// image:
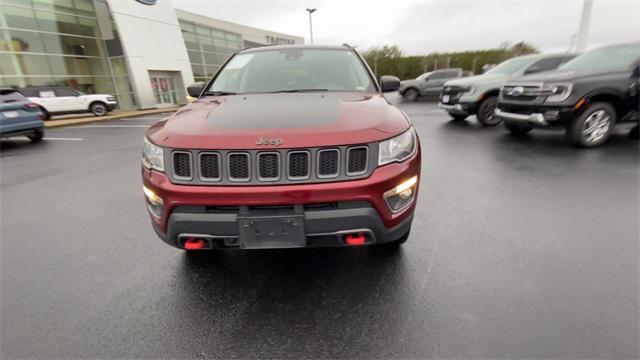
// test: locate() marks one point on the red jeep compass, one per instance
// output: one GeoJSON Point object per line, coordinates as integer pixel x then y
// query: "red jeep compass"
{"type": "Point", "coordinates": [286, 146]}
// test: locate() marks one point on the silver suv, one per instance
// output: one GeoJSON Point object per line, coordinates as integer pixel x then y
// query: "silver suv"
{"type": "Point", "coordinates": [428, 84]}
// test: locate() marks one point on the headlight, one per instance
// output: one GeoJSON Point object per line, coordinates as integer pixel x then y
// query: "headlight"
{"type": "Point", "coordinates": [152, 156]}
{"type": "Point", "coordinates": [398, 148]}
{"type": "Point", "coordinates": [557, 92]}
{"type": "Point", "coordinates": [470, 89]}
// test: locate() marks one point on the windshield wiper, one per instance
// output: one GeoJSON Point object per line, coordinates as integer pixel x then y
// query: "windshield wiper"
{"type": "Point", "coordinates": [219, 93]}
{"type": "Point", "coordinates": [297, 91]}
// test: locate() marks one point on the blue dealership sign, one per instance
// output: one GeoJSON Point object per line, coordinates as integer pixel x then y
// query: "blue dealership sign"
{"type": "Point", "coordinates": [147, 2]}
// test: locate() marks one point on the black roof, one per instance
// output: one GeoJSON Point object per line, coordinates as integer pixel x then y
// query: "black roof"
{"type": "Point", "coordinates": [295, 47]}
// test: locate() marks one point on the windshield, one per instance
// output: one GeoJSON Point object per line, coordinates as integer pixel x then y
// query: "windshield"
{"type": "Point", "coordinates": [607, 58]}
{"type": "Point", "coordinates": [423, 76]}
{"type": "Point", "coordinates": [293, 70]}
{"type": "Point", "coordinates": [510, 66]}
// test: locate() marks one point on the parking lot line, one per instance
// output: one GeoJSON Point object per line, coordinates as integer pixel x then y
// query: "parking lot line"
{"type": "Point", "coordinates": [61, 139]}
{"type": "Point", "coordinates": [108, 126]}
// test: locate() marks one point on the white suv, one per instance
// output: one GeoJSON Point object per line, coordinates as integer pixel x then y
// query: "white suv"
{"type": "Point", "coordinates": [58, 100]}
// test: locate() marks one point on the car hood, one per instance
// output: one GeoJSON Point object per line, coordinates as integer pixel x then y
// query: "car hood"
{"type": "Point", "coordinates": [558, 76]}
{"type": "Point", "coordinates": [474, 80]}
{"type": "Point", "coordinates": [299, 120]}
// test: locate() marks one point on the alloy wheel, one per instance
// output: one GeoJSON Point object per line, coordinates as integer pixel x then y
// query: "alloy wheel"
{"type": "Point", "coordinates": [596, 126]}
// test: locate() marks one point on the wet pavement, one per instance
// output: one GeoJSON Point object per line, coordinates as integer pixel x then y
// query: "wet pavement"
{"type": "Point", "coordinates": [520, 248]}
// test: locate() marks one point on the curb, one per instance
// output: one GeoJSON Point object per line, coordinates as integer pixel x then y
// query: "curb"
{"type": "Point", "coordinates": [93, 119]}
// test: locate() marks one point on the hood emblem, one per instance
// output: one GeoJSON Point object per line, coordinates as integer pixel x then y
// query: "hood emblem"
{"type": "Point", "coordinates": [516, 91]}
{"type": "Point", "coordinates": [265, 141]}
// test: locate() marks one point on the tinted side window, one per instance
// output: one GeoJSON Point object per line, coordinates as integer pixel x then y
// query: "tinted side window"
{"type": "Point", "coordinates": [65, 92]}
{"type": "Point", "coordinates": [7, 96]}
{"type": "Point", "coordinates": [444, 75]}
{"type": "Point", "coordinates": [29, 92]}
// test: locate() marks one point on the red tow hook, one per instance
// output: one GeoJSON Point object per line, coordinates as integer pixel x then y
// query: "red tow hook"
{"type": "Point", "coordinates": [194, 244]}
{"type": "Point", "coordinates": [355, 239]}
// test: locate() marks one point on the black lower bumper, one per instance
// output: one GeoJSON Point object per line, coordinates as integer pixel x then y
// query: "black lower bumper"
{"type": "Point", "coordinates": [324, 226]}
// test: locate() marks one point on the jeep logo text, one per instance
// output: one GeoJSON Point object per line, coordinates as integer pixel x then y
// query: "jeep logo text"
{"type": "Point", "coordinates": [264, 141]}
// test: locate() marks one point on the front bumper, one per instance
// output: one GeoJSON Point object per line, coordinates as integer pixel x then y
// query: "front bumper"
{"type": "Point", "coordinates": [533, 119]}
{"type": "Point", "coordinates": [330, 210]}
{"type": "Point", "coordinates": [112, 105]}
{"type": "Point", "coordinates": [537, 116]}
{"type": "Point", "coordinates": [459, 108]}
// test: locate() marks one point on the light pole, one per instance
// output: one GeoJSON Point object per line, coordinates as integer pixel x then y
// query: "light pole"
{"type": "Point", "coordinates": [311, 11]}
{"type": "Point", "coordinates": [584, 26]}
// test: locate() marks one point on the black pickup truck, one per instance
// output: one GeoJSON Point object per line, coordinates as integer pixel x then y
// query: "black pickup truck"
{"type": "Point", "coordinates": [587, 96]}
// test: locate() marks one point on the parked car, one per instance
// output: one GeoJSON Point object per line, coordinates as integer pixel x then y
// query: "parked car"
{"type": "Point", "coordinates": [428, 84]}
{"type": "Point", "coordinates": [286, 147]}
{"type": "Point", "coordinates": [478, 95]}
{"type": "Point", "coordinates": [19, 116]}
{"type": "Point", "coordinates": [587, 96]}
{"type": "Point", "coordinates": [59, 100]}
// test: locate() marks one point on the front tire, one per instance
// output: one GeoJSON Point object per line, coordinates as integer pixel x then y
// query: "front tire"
{"type": "Point", "coordinates": [457, 117]}
{"type": "Point", "coordinates": [517, 129]}
{"type": "Point", "coordinates": [634, 133]}
{"type": "Point", "coordinates": [36, 136]}
{"type": "Point", "coordinates": [98, 108]}
{"type": "Point", "coordinates": [593, 127]}
{"type": "Point", "coordinates": [486, 110]}
{"type": "Point", "coordinates": [410, 95]}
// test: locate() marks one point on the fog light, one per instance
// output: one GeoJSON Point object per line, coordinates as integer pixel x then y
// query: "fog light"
{"type": "Point", "coordinates": [402, 195]}
{"type": "Point", "coordinates": [154, 202]}
{"type": "Point", "coordinates": [552, 115]}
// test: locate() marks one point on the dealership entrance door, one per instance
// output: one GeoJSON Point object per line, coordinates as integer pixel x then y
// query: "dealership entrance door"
{"type": "Point", "coordinates": [163, 85]}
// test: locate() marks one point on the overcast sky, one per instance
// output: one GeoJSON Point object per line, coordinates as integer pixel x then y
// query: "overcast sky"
{"type": "Point", "coordinates": [421, 27]}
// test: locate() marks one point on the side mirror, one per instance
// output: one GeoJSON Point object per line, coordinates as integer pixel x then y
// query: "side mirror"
{"type": "Point", "coordinates": [389, 83]}
{"type": "Point", "coordinates": [195, 89]}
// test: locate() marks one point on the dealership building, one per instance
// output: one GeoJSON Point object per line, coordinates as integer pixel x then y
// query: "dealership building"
{"type": "Point", "coordinates": [144, 52]}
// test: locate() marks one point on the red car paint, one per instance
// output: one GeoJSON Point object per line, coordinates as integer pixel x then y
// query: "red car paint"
{"type": "Point", "coordinates": [359, 118]}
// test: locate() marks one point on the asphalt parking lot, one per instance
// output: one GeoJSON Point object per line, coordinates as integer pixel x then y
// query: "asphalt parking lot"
{"type": "Point", "coordinates": [521, 248]}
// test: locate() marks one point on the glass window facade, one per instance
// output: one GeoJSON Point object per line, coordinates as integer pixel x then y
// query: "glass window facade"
{"type": "Point", "coordinates": [208, 48]}
{"type": "Point", "coordinates": [58, 42]}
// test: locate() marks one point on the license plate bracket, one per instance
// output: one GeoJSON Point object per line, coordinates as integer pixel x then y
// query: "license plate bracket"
{"type": "Point", "coordinates": [262, 232]}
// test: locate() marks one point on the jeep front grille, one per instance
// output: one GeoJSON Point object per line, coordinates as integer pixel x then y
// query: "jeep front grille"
{"type": "Point", "coordinates": [299, 165]}
{"type": "Point", "coordinates": [182, 164]}
{"type": "Point", "coordinates": [357, 160]}
{"type": "Point", "coordinates": [210, 166]}
{"type": "Point", "coordinates": [274, 166]}
{"type": "Point", "coordinates": [239, 167]}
